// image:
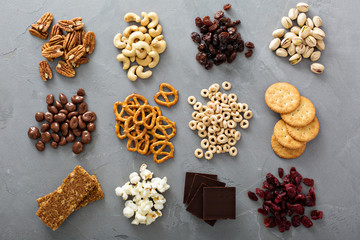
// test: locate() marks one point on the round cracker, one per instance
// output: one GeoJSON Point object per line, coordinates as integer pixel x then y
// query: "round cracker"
{"type": "Point", "coordinates": [302, 115]}
{"type": "Point", "coordinates": [305, 134]}
{"type": "Point", "coordinates": [284, 138]}
{"type": "Point", "coordinates": [282, 97]}
{"type": "Point", "coordinates": [284, 152]}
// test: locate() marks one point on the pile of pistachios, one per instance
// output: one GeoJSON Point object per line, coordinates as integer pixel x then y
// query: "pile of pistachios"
{"type": "Point", "coordinates": [306, 40]}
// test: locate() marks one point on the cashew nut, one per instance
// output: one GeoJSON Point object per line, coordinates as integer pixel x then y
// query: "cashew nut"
{"type": "Point", "coordinates": [148, 38]}
{"type": "Point", "coordinates": [141, 74]}
{"type": "Point", "coordinates": [142, 29]}
{"type": "Point", "coordinates": [132, 17]}
{"type": "Point", "coordinates": [142, 45]}
{"type": "Point", "coordinates": [154, 20]}
{"type": "Point", "coordinates": [117, 41]}
{"type": "Point", "coordinates": [128, 47]}
{"type": "Point", "coordinates": [158, 46]}
{"type": "Point", "coordinates": [157, 32]}
{"type": "Point", "coordinates": [132, 59]}
{"type": "Point", "coordinates": [129, 53]}
{"type": "Point", "coordinates": [145, 20]}
{"type": "Point", "coordinates": [144, 62]}
{"type": "Point", "coordinates": [141, 54]}
{"type": "Point", "coordinates": [136, 35]}
{"type": "Point", "coordinates": [125, 40]}
{"type": "Point", "coordinates": [131, 73]}
{"type": "Point", "coordinates": [155, 59]}
{"type": "Point", "coordinates": [124, 60]}
{"type": "Point", "coordinates": [129, 30]}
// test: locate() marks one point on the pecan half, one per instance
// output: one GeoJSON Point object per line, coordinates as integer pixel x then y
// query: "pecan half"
{"type": "Point", "coordinates": [56, 31]}
{"type": "Point", "coordinates": [36, 33]}
{"type": "Point", "coordinates": [89, 42]}
{"type": "Point", "coordinates": [75, 54]}
{"type": "Point", "coordinates": [64, 69]}
{"type": "Point", "coordinates": [81, 33]}
{"type": "Point", "coordinates": [78, 24]}
{"type": "Point", "coordinates": [56, 40]}
{"type": "Point", "coordinates": [53, 51]}
{"type": "Point", "coordinates": [67, 25]}
{"type": "Point", "coordinates": [44, 46]}
{"type": "Point", "coordinates": [44, 22]}
{"type": "Point", "coordinates": [45, 71]}
{"type": "Point", "coordinates": [71, 39]}
{"type": "Point", "coordinates": [80, 61]}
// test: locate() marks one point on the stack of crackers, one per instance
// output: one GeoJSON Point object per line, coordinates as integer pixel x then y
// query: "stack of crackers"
{"type": "Point", "coordinates": [299, 123]}
{"type": "Point", "coordinates": [77, 190]}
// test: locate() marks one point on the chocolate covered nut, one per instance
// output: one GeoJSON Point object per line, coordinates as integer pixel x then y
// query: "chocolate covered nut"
{"type": "Point", "coordinates": [82, 108]}
{"type": "Point", "coordinates": [55, 137]}
{"type": "Point", "coordinates": [80, 92]}
{"type": "Point", "coordinates": [64, 111]}
{"type": "Point", "coordinates": [62, 98]}
{"type": "Point", "coordinates": [54, 145]}
{"type": "Point", "coordinates": [70, 107]}
{"type": "Point", "coordinates": [40, 146]}
{"type": "Point", "coordinates": [72, 114]}
{"type": "Point", "coordinates": [60, 117]}
{"type": "Point", "coordinates": [74, 122]}
{"type": "Point", "coordinates": [50, 99]}
{"type": "Point", "coordinates": [77, 132]}
{"type": "Point", "coordinates": [91, 127]}
{"type": "Point", "coordinates": [70, 137]}
{"type": "Point", "coordinates": [58, 105]}
{"type": "Point", "coordinates": [34, 133]}
{"type": "Point", "coordinates": [89, 116]}
{"type": "Point", "coordinates": [44, 127]}
{"type": "Point", "coordinates": [65, 129]}
{"type": "Point", "coordinates": [62, 141]}
{"type": "Point", "coordinates": [85, 137]}
{"type": "Point", "coordinates": [45, 137]}
{"type": "Point", "coordinates": [52, 109]}
{"type": "Point", "coordinates": [55, 126]}
{"type": "Point", "coordinates": [39, 116]}
{"type": "Point", "coordinates": [77, 147]}
{"type": "Point", "coordinates": [77, 99]}
{"type": "Point", "coordinates": [49, 117]}
{"type": "Point", "coordinates": [82, 124]}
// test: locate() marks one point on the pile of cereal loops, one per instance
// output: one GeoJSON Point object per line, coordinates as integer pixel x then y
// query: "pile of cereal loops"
{"type": "Point", "coordinates": [216, 121]}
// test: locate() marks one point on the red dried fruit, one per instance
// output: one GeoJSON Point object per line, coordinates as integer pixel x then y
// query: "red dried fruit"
{"type": "Point", "coordinates": [248, 53]}
{"type": "Point", "coordinates": [269, 222]}
{"type": "Point", "coordinates": [198, 22]}
{"type": "Point", "coordinates": [195, 37]}
{"type": "Point", "coordinates": [237, 22]}
{"type": "Point", "coordinates": [213, 27]}
{"type": "Point", "coordinates": [227, 6]}
{"type": "Point", "coordinates": [232, 57]}
{"type": "Point", "coordinates": [315, 214]}
{"type": "Point", "coordinates": [306, 222]}
{"type": "Point", "coordinates": [278, 199]}
{"type": "Point", "coordinates": [273, 206]}
{"type": "Point", "coordinates": [260, 192]}
{"type": "Point", "coordinates": [252, 196]}
{"type": "Point", "coordinates": [218, 14]}
{"type": "Point", "coordinates": [249, 45]}
{"type": "Point", "coordinates": [291, 190]}
{"type": "Point", "coordinates": [281, 172]}
{"type": "Point", "coordinates": [295, 220]}
{"type": "Point", "coordinates": [308, 182]}
{"type": "Point", "coordinates": [296, 208]}
{"type": "Point", "coordinates": [262, 211]}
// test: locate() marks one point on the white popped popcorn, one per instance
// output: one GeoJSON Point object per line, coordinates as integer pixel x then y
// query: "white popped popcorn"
{"type": "Point", "coordinates": [147, 201]}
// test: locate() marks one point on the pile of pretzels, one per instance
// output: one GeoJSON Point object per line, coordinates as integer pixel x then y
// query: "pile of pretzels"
{"type": "Point", "coordinates": [142, 44]}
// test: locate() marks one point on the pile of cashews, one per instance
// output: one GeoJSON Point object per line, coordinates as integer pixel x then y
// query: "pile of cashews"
{"type": "Point", "coordinates": [139, 45]}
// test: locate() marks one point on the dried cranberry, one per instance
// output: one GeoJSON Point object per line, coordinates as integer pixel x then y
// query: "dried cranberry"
{"type": "Point", "coordinates": [252, 196]}
{"type": "Point", "coordinates": [281, 172]}
{"type": "Point", "coordinates": [195, 37]}
{"type": "Point", "coordinates": [198, 22]}
{"type": "Point", "coordinates": [295, 220]}
{"type": "Point", "coordinates": [231, 30]}
{"type": "Point", "coordinates": [315, 214]}
{"type": "Point", "coordinates": [299, 198]}
{"type": "Point", "coordinates": [218, 14]}
{"type": "Point", "coordinates": [249, 45]}
{"type": "Point", "coordinates": [269, 195]}
{"type": "Point", "coordinates": [273, 206]}
{"type": "Point", "coordinates": [268, 185]}
{"type": "Point", "coordinates": [262, 211]}
{"type": "Point", "coordinates": [259, 192]}
{"type": "Point", "coordinates": [296, 208]}
{"type": "Point", "coordinates": [308, 182]}
{"type": "Point", "coordinates": [282, 227]}
{"type": "Point", "coordinates": [248, 53]}
{"type": "Point", "coordinates": [278, 199]}
{"type": "Point", "coordinates": [291, 190]}
{"type": "Point", "coordinates": [269, 222]}
{"type": "Point", "coordinates": [306, 221]}
{"type": "Point", "coordinates": [227, 6]}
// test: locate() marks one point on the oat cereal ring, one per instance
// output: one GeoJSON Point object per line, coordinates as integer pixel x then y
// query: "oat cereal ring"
{"type": "Point", "coordinates": [197, 106]}
{"type": "Point", "coordinates": [244, 124]}
{"type": "Point", "coordinates": [228, 132]}
{"type": "Point", "coordinates": [233, 151]}
{"type": "Point", "coordinates": [232, 98]}
{"type": "Point", "coordinates": [201, 126]}
{"type": "Point", "coordinates": [218, 96]}
{"type": "Point", "coordinates": [237, 135]}
{"type": "Point", "coordinates": [248, 114]}
{"type": "Point", "coordinates": [234, 106]}
{"type": "Point", "coordinates": [198, 153]}
{"type": "Point", "coordinates": [232, 141]}
{"type": "Point", "coordinates": [202, 134]}
{"type": "Point", "coordinates": [161, 152]}
{"type": "Point", "coordinates": [211, 134]}
{"type": "Point", "coordinates": [222, 139]}
{"type": "Point", "coordinates": [226, 148]}
{"type": "Point", "coordinates": [226, 85]}
{"type": "Point", "coordinates": [238, 118]}
{"type": "Point", "coordinates": [204, 93]}
{"type": "Point", "coordinates": [232, 132]}
{"type": "Point", "coordinates": [231, 124]}
{"type": "Point", "coordinates": [200, 117]}
{"type": "Point", "coordinates": [211, 129]}
{"type": "Point", "coordinates": [193, 124]}
{"type": "Point", "coordinates": [118, 127]}
{"type": "Point", "coordinates": [224, 98]}
{"type": "Point", "coordinates": [208, 155]}
{"type": "Point", "coordinates": [212, 140]}
{"type": "Point", "coordinates": [213, 119]}
{"type": "Point", "coordinates": [224, 124]}
{"type": "Point", "coordinates": [206, 121]}
{"type": "Point", "coordinates": [226, 115]}
{"type": "Point", "coordinates": [245, 107]}
{"type": "Point", "coordinates": [194, 115]}
{"type": "Point", "coordinates": [219, 118]}
{"type": "Point", "coordinates": [205, 143]}
{"type": "Point", "coordinates": [191, 100]}
{"type": "Point", "coordinates": [216, 128]}
{"type": "Point", "coordinates": [213, 98]}
{"type": "Point", "coordinates": [165, 95]}
{"type": "Point", "coordinates": [209, 112]}
{"type": "Point", "coordinates": [218, 149]}
{"type": "Point", "coordinates": [212, 148]}
{"type": "Point", "coordinates": [202, 109]}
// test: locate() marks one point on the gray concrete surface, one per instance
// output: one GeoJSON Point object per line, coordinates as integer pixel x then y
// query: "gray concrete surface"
{"type": "Point", "coordinates": [332, 159]}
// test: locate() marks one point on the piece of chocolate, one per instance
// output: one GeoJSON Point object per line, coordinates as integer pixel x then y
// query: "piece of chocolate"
{"type": "Point", "coordinates": [198, 180]}
{"type": "Point", "coordinates": [219, 203]}
{"type": "Point", "coordinates": [188, 181]}
{"type": "Point", "coordinates": [196, 205]}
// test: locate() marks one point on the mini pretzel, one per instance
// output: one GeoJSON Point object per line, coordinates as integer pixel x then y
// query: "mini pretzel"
{"type": "Point", "coordinates": [119, 125]}
{"type": "Point", "coordinates": [148, 116]}
{"type": "Point", "coordinates": [161, 152]}
{"type": "Point", "coordinates": [135, 99]}
{"type": "Point", "coordinates": [165, 95]}
{"type": "Point", "coordinates": [162, 128]}
{"type": "Point", "coordinates": [143, 145]}
{"type": "Point", "coordinates": [152, 140]}
{"type": "Point", "coordinates": [133, 130]}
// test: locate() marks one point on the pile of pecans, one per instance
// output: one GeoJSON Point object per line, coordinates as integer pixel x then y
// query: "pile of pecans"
{"type": "Point", "coordinates": [73, 48]}
{"type": "Point", "coordinates": [219, 41]}
{"type": "Point", "coordinates": [66, 120]}
{"type": "Point", "coordinates": [302, 40]}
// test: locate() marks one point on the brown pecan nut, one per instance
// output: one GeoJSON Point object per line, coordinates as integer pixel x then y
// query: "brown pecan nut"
{"type": "Point", "coordinates": [44, 22]}
{"type": "Point", "coordinates": [81, 33]}
{"type": "Point", "coordinates": [56, 31]}
{"type": "Point", "coordinates": [44, 46]}
{"type": "Point", "coordinates": [56, 40]}
{"type": "Point", "coordinates": [71, 39]}
{"type": "Point", "coordinates": [67, 25]}
{"type": "Point", "coordinates": [36, 33]}
{"type": "Point", "coordinates": [45, 71]}
{"type": "Point", "coordinates": [78, 23]}
{"type": "Point", "coordinates": [75, 54]}
{"type": "Point", "coordinates": [53, 51]}
{"type": "Point", "coordinates": [89, 42]}
{"type": "Point", "coordinates": [80, 61]}
{"type": "Point", "coordinates": [64, 69]}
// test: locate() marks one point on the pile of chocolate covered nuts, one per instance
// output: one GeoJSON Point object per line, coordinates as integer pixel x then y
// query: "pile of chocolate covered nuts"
{"type": "Point", "coordinates": [65, 121]}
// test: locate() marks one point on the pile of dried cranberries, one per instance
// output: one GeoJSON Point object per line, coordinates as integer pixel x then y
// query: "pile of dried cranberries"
{"type": "Point", "coordinates": [219, 41]}
{"type": "Point", "coordinates": [286, 199]}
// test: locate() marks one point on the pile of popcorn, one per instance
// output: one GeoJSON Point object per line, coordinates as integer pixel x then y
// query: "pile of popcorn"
{"type": "Point", "coordinates": [147, 201]}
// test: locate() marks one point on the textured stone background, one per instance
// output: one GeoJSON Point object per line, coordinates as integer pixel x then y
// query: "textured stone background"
{"type": "Point", "coordinates": [332, 159]}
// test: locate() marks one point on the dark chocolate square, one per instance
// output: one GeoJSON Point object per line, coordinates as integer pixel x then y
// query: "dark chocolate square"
{"type": "Point", "coordinates": [219, 203]}
{"type": "Point", "coordinates": [188, 182]}
{"type": "Point", "coordinates": [198, 180]}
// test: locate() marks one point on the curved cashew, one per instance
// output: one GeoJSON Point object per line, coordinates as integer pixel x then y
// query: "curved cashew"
{"type": "Point", "coordinates": [132, 17]}
{"type": "Point", "coordinates": [136, 35]}
{"type": "Point", "coordinates": [142, 45]}
{"type": "Point", "coordinates": [157, 32]}
{"type": "Point", "coordinates": [124, 60]}
{"type": "Point", "coordinates": [131, 73]}
{"type": "Point", "coordinates": [154, 20]}
{"type": "Point", "coordinates": [148, 38]}
{"type": "Point", "coordinates": [142, 29]}
{"type": "Point", "coordinates": [144, 62]}
{"type": "Point", "coordinates": [158, 46]}
{"type": "Point", "coordinates": [132, 59]}
{"type": "Point", "coordinates": [125, 40]}
{"type": "Point", "coordinates": [128, 47]}
{"type": "Point", "coordinates": [141, 54]}
{"type": "Point", "coordinates": [145, 20]}
{"type": "Point", "coordinates": [155, 59]}
{"type": "Point", "coordinates": [117, 41]}
{"type": "Point", "coordinates": [129, 53]}
{"type": "Point", "coordinates": [129, 30]}
{"type": "Point", "coordinates": [141, 74]}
